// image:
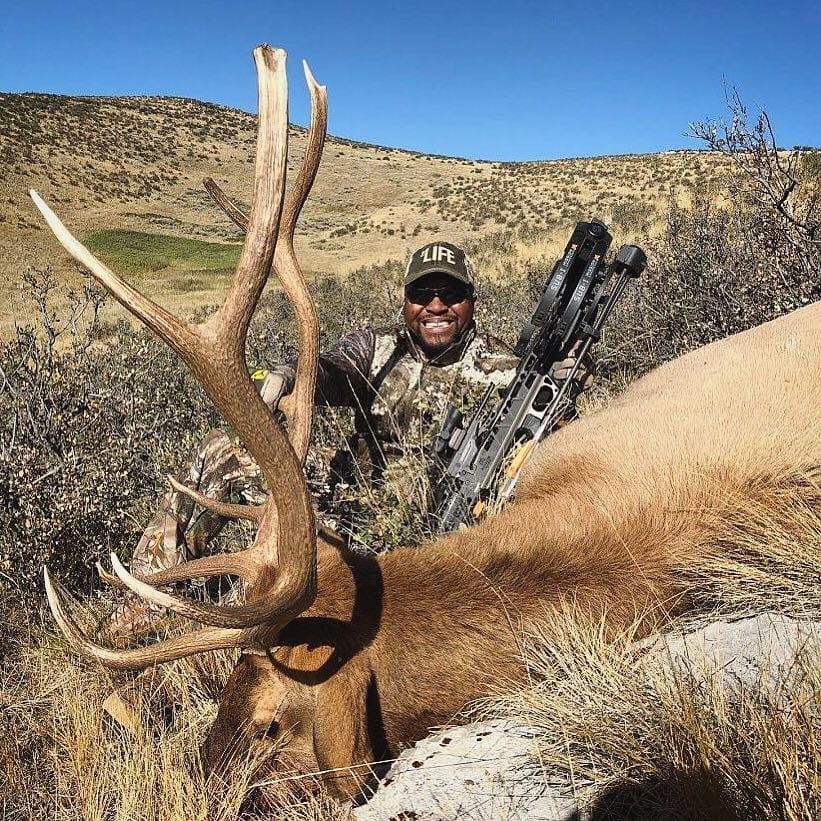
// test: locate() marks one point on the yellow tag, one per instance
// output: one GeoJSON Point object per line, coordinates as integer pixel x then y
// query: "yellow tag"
{"type": "Point", "coordinates": [259, 374]}
{"type": "Point", "coordinates": [519, 459]}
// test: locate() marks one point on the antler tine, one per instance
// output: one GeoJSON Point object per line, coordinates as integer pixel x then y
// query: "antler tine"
{"type": "Point", "coordinates": [276, 601]}
{"type": "Point", "coordinates": [288, 513]}
{"type": "Point", "coordinates": [226, 509]}
{"type": "Point", "coordinates": [243, 563]}
{"type": "Point", "coordinates": [232, 564]}
{"type": "Point", "coordinates": [231, 321]}
{"type": "Point", "coordinates": [169, 650]}
{"type": "Point", "coordinates": [223, 201]}
{"type": "Point", "coordinates": [299, 411]}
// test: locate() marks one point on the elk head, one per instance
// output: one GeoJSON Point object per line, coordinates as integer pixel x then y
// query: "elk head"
{"type": "Point", "coordinates": [280, 567]}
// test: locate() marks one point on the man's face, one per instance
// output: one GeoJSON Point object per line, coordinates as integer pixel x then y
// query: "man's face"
{"type": "Point", "coordinates": [437, 309]}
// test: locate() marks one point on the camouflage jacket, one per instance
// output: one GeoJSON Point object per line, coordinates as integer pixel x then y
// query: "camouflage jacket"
{"type": "Point", "coordinates": [395, 390]}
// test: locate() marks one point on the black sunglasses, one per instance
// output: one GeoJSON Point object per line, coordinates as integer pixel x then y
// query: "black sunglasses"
{"type": "Point", "coordinates": [448, 294]}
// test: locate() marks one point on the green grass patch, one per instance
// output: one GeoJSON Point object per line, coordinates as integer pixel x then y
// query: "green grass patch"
{"type": "Point", "coordinates": [137, 252]}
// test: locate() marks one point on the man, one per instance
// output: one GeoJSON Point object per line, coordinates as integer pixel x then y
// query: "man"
{"type": "Point", "coordinates": [393, 379]}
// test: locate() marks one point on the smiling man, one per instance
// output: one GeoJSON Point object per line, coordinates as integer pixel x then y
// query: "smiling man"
{"type": "Point", "coordinates": [403, 376]}
{"type": "Point", "coordinates": [398, 382]}
{"type": "Point", "coordinates": [439, 296]}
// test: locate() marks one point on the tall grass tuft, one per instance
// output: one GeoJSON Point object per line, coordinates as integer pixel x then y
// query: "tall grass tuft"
{"type": "Point", "coordinates": [638, 743]}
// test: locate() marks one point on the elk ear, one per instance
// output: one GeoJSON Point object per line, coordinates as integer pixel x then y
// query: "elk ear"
{"type": "Point", "coordinates": [348, 733]}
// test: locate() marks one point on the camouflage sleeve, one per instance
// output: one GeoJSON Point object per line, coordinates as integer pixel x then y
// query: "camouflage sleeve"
{"type": "Point", "coordinates": [342, 377]}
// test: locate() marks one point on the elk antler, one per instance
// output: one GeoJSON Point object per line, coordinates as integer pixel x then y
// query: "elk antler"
{"type": "Point", "coordinates": [299, 410]}
{"type": "Point", "coordinates": [280, 566]}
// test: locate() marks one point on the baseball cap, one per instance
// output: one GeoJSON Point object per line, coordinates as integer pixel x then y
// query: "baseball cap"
{"type": "Point", "coordinates": [440, 258]}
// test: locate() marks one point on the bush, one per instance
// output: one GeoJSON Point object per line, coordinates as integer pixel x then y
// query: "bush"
{"type": "Point", "coordinates": [91, 418]}
{"type": "Point", "coordinates": [734, 257]}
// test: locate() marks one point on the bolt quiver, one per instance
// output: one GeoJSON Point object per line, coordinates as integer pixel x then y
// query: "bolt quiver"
{"type": "Point", "coordinates": [485, 456]}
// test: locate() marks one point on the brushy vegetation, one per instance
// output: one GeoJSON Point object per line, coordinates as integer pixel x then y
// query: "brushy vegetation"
{"type": "Point", "coordinates": [92, 417]}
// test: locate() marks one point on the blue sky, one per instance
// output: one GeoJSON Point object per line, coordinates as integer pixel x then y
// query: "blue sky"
{"type": "Point", "coordinates": [510, 79]}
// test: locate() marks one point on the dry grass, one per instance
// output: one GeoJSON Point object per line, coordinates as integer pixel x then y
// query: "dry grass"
{"type": "Point", "coordinates": [637, 742]}
{"type": "Point", "coordinates": [62, 756]}
{"type": "Point", "coordinates": [767, 555]}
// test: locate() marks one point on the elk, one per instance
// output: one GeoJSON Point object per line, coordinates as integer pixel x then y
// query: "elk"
{"type": "Point", "coordinates": [348, 658]}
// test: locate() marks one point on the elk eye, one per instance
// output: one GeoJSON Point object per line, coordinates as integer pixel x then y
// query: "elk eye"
{"type": "Point", "coordinates": [270, 731]}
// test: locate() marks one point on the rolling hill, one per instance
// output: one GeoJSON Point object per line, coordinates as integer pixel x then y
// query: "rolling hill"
{"type": "Point", "coordinates": [125, 175]}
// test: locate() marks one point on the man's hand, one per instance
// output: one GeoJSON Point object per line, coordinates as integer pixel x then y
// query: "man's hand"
{"type": "Point", "coordinates": [271, 387]}
{"type": "Point", "coordinates": [583, 378]}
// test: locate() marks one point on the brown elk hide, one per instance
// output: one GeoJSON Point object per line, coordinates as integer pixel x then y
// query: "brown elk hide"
{"type": "Point", "coordinates": [736, 410]}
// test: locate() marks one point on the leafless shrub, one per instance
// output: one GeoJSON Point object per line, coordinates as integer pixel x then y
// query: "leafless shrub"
{"type": "Point", "coordinates": [772, 182]}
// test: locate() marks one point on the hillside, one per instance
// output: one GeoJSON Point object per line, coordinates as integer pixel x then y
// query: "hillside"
{"type": "Point", "coordinates": [114, 166]}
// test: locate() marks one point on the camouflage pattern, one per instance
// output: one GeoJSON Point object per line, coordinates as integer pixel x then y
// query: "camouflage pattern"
{"type": "Point", "coordinates": [395, 393]}
{"type": "Point", "coordinates": [409, 394]}
{"type": "Point", "coordinates": [219, 468]}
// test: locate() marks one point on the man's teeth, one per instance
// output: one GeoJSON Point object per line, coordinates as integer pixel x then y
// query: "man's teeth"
{"type": "Point", "coordinates": [438, 323]}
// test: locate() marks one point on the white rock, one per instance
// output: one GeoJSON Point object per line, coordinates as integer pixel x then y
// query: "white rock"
{"type": "Point", "coordinates": [481, 772]}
